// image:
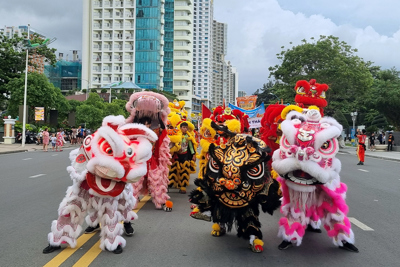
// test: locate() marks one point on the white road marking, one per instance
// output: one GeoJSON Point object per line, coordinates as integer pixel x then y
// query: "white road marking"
{"type": "Point", "coordinates": [375, 200]}
{"type": "Point", "coordinates": [27, 159]}
{"type": "Point", "coordinates": [360, 224]}
{"type": "Point", "coordinates": [37, 175]}
{"type": "Point", "coordinates": [55, 155]}
{"type": "Point", "coordinates": [363, 170]}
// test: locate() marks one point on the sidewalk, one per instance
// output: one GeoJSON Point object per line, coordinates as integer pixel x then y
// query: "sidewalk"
{"type": "Point", "coordinates": [388, 155]}
{"type": "Point", "coordinates": [15, 148]}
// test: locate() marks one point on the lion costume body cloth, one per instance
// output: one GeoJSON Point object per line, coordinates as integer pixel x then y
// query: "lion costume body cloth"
{"type": "Point", "coordinates": [155, 107]}
{"type": "Point", "coordinates": [233, 186]}
{"type": "Point", "coordinates": [309, 176]}
{"type": "Point", "coordinates": [103, 170]}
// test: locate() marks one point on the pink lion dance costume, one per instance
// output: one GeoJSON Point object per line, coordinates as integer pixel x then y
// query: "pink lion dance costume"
{"type": "Point", "coordinates": [103, 170]}
{"type": "Point", "coordinates": [309, 176]}
{"type": "Point", "coordinates": [155, 107]}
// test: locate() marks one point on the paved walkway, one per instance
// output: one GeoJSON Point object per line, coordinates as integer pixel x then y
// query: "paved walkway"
{"type": "Point", "coordinates": [389, 155]}
{"type": "Point", "coordinates": [15, 148]}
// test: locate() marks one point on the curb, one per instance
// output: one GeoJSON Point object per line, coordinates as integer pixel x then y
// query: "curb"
{"type": "Point", "coordinates": [371, 156]}
{"type": "Point", "coordinates": [13, 151]}
{"type": "Point", "coordinates": [30, 149]}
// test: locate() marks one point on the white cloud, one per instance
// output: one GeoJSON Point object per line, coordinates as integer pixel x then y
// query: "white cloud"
{"type": "Point", "coordinates": [257, 31]}
{"type": "Point", "coordinates": [256, 28]}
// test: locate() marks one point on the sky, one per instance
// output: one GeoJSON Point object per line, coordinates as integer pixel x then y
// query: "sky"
{"type": "Point", "coordinates": [257, 29]}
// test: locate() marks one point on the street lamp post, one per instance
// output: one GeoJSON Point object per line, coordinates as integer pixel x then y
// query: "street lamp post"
{"type": "Point", "coordinates": [353, 131]}
{"type": "Point", "coordinates": [29, 46]}
{"type": "Point", "coordinates": [25, 95]}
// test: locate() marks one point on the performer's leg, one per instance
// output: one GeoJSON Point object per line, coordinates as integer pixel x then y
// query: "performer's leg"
{"type": "Point", "coordinates": [359, 154]}
{"type": "Point", "coordinates": [126, 203]}
{"type": "Point", "coordinates": [335, 220]}
{"type": "Point", "coordinates": [92, 218]}
{"type": "Point", "coordinates": [184, 172]}
{"type": "Point", "coordinates": [173, 175]}
{"type": "Point", "coordinates": [292, 226]}
{"type": "Point", "coordinates": [71, 214]}
{"type": "Point", "coordinates": [249, 228]}
{"type": "Point", "coordinates": [111, 229]}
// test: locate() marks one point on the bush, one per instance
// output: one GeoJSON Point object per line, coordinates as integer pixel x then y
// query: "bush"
{"type": "Point", "coordinates": [84, 91]}
{"type": "Point", "coordinates": [104, 90]}
{"type": "Point", "coordinates": [93, 90]}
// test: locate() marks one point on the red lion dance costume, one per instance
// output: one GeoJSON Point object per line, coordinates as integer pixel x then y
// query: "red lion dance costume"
{"type": "Point", "coordinates": [311, 94]}
{"type": "Point", "coordinates": [155, 107]}
{"type": "Point", "coordinates": [309, 176]}
{"type": "Point", "coordinates": [103, 170]}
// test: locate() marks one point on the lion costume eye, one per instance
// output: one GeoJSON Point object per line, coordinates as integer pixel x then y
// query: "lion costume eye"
{"type": "Point", "coordinates": [256, 172]}
{"type": "Point", "coordinates": [129, 152]}
{"type": "Point", "coordinates": [214, 167]}
{"type": "Point", "coordinates": [106, 147]}
{"type": "Point", "coordinates": [328, 147]}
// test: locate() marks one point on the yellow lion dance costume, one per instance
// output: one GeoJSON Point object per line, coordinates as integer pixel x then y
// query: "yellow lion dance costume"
{"type": "Point", "coordinates": [180, 170]}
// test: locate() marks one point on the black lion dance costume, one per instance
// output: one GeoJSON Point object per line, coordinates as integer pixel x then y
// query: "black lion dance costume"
{"type": "Point", "coordinates": [234, 184]}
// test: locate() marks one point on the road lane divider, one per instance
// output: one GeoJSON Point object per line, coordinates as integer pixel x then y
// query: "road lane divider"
{"type": "Point", "coordinates": [27, 159]}
{"type": "Point", "coordinates": [360, 224]}
{"type": "Point", "coordinates": [363, 170]}
{"type": "Point", "coordinates": [37, 175]}
{"type": "Point", "coordinates": [95, 250]}
{"type": "Point", "coordinates": [67, 252]}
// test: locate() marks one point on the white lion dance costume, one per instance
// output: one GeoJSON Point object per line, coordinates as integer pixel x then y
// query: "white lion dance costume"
{"type": "Point", "coordinates": [103, 170]}
{"type": "Point", "coordinates": [154, 107]}
{"type": "Point", "coordinates": [309, 176]}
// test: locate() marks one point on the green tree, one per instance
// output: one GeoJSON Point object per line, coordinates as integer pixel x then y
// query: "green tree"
{"type": "Point", "coordinates": [387, 95]}
{"type": "Point", "coordinates": [91, 111]}
{"type": "Point", "coordinates": [329, 61]}
{"type": "Point", "coordinates": [267, 94]}
{"type": "Point", "coordinates": [13, 58]}
{"type": "Point", "coordinates": [341, 119]}
{"type": "Point", "coordinates": [40, 93]}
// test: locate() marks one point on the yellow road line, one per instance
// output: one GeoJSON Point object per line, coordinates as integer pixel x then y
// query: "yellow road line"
{"type": "Point", "coordinates": [67, 252]}
{"type": "Point", "coordinates": [94, 251]}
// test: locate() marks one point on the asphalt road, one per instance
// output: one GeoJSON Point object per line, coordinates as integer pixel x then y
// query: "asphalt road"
{"type": "Point", "coordinates": [34, 183]}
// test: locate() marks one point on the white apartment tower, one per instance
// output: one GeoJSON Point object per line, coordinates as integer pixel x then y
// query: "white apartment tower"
{"type": "Point", "coordinates": [219, 49]}
{"type": "Point", "coordinates": [202, 50]}
{"type": "Point", "coordinates": [108, 48]}
{"type": "Point", "coordinates": [183, 53]}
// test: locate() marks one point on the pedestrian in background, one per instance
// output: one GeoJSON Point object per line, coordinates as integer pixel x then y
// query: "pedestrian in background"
{"type": "Point", "coordinates": [384, 138]}
{"type": "Point", "coordinates": [60, 140]}
{"type": "Point", "coordinates": [79, 134]}
{"type": "Point", "coordinates": [390, 142]}
{"type": "Point", "coordinates": [46, 138]}
{"type": "Point", "coordinates": [361, 147]}
{"type": "Point", "coordinates": [53, 141]}
{"type": "Point", "coordinates": [372, 142]}
{"type": "Point", "coordinates": [73, 135]}
{"type": "Point", "coordinates": [380, 138]}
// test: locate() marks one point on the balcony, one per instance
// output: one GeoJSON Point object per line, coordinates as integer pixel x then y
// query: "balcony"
{"type": "Point", "coordinates": [183, 8]}
{"type": "Point", "coordinates": [186, 68]}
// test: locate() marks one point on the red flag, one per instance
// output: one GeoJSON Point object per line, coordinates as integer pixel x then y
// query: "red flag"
{"type": "Point", "coordinates": [205, 112]}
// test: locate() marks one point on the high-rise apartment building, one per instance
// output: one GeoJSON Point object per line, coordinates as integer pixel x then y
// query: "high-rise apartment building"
{"type": "Point", "coordinates": [183, 56]}
{"type": "Point", "coordinates": [241, 93]}
{"type": "Point", "coordinates": [169, 46]}
{"type": "Point", "coordinates": [149, 43]}
{"type": "Point", "coordinates": [219, 49]}
{"type": "Point", "coordinates": [108, 49]}
{"type": "Point", "coordinates": [202, 50]}
{"type": "Point", "coordinates": [224, 76]}
{"type": "Point", "coordinates": [37, 60]}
